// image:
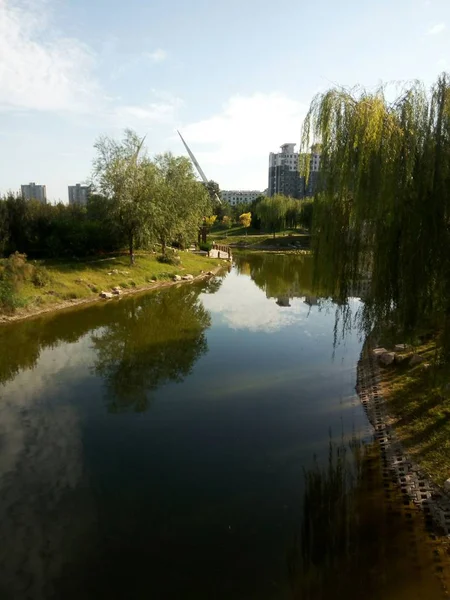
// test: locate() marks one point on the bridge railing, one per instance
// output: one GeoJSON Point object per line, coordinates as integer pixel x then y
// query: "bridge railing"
{"type": "Point", "coordinates": [222, 248]}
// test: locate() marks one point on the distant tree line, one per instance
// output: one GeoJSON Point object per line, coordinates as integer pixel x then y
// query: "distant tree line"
{"type": "Point", "coordinates": [269, 214]}
{"type": "Point", "coordinates": [137, 201]}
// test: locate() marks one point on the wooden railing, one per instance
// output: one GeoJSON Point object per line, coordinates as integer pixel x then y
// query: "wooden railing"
{"type": "Point", "coordinates": [222, 248]}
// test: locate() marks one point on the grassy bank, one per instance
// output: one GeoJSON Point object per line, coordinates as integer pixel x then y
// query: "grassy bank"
{"type": "Point", "coordinates": [418, 399]}
{"type": "Point", "coordinates": [63, 283]}
{"type": "Point", "coordinates": [254, 239]}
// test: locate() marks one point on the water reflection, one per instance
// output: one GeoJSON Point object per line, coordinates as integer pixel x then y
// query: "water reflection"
{"type": "Point", "coordinates": [198, 496]}
{"type": "Point", "coordinates": [150, 341]}
{"type": "Point", "coordinates": [359, 538]}
{"type": "Point", "coordinates": [282, 277]}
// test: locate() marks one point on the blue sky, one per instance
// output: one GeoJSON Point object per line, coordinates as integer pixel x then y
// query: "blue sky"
{"type": "Point", "coordinates": [235, 76]}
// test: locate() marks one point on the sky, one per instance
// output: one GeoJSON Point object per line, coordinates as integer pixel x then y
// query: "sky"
{"type": "Point", "coordinates": [236, 77]}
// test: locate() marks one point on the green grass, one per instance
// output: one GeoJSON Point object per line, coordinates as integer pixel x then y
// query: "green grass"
{"type": "Point", "coordinates": [418, 398]}
{"type": "Point", "coordinates": [78, 280]}
{"type": "Point", "coordinates": [255, 239]}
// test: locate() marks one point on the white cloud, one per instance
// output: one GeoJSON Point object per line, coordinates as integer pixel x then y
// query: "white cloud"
{"type": "Point", "coordinates": [436, 29]}
{"type": "Point", "coordinates": [234, 145]}
{"type": "Point", "coordinates": [38, 69]}
{"type": "Point", "coordinates": [161, 111]}
{"type": "Point", "coordinates": [253, 311]}
{"type": "Point", "coordinates": [157, 56]}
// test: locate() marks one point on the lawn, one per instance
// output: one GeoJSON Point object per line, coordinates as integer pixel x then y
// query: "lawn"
{"type": "Point", "coordinates": [254, 238]}
{"type": "Point", "coordinates": [418, 398]}
{"type": "Point", "coordinates": [69, 281]}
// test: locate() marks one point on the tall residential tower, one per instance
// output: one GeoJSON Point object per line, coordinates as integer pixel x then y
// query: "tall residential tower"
{"type": "Point", "coordinates": [32, 191]}
{"type": "Point", "coordinates": [284, 177]}
{"type": "Point", "coordinates": [79, 194]}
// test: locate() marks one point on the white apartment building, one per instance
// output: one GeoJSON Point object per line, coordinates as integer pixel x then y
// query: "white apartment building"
{"type": "Point", "coordinates": [284, 177]}
{"type": "Point", "coordinates": [32, 191]}
{"type": "Point", "coordinates": [79, 194]}
{"type": "Point", "coordinates": [234, 197]}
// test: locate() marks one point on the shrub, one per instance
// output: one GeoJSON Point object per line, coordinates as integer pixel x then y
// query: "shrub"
{"type": "Point", "coordinates": [132, 283]}
{"type": "Point", "coordinates": [205, 246]}
{"type": "Point", "coordinates": [170, 258]}
{"type": "Point", "coordinates": [16, 268]}
{"type": "Point", "coordinates": [40, 277]}
{"type": "Point", "coordinates": [8, 297]}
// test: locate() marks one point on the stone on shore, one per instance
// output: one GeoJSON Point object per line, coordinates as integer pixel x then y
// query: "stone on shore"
{"type": "Point", "coordinates": [400, 347]}
{"type": "Point", "coordinates": [177, 277]}
{"type": "Point", "coordinates": [106, 295]}
{"type": "Point", "coordinates": [387, 358]}
{"type": "Point", "coordinates": [400, 358]}
{"type": "Point", "coordinates": [379, 351]}
{"type": "Point", "coordinates": [416, 359]}
{"type": "Point", "coordinates": [117, 290]}
{"type": "Point", "coordinates": [187, 277]}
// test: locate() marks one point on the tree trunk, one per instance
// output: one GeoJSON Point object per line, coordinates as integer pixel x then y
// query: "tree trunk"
{"type": "Point", "coordinates": [131, 248]}
{"type": "Point", "coordinates": [163, 246]}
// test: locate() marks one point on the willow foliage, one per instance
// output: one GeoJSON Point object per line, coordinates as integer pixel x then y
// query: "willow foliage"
{"type": "Point", "coordinates": [384, 205]}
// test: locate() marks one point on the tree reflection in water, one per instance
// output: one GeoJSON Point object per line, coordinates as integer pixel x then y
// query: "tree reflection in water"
{"type": "Point", "coordinates": [359, 538]}
{"type": "Point", "coordinates": [153, 339]}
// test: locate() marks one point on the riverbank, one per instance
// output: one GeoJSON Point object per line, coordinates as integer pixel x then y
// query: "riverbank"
{"type": "Point", "coordinates": [239, 238]}
{"type": "Point", "coordinates": [65, 285]}
{"type": "Point", "coordinates": [402, 403]}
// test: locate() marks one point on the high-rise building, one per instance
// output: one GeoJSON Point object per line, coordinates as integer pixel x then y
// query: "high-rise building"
{"type": "Point", "coordinates": [284, 176]}
{"type": "Point", "coordinates": [234, 197]}
{"type": "Point", "coordinates": [79, 194]}
{"type": "Point", "coordinates": [32, 191]}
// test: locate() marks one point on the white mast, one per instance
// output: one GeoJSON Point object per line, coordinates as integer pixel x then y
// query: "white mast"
{"type": "Point", "coordinates": [197, 166]}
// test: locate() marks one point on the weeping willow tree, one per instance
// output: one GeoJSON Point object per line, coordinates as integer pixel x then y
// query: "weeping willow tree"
{"type": "Point", "coordinates": [384, 202]}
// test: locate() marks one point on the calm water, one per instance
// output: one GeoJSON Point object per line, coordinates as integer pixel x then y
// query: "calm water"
{"type": "Point", "coordinates": [199, 442]}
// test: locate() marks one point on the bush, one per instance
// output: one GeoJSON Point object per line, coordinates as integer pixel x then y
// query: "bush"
{"type": "Point", "coordinates": [40, 277]}
{"type": "Point", "coordinates": [16, 268]}
{"type": "Point", "coordinates": [8, 298]}
{"type": "Point", "coordinates": [205, 246]}
{"type": "Point", "coordinates": [170, 258]}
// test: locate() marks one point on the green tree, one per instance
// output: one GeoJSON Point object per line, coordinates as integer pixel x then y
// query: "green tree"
{"type": "Point", "coordinates": [385, 206]}
{"type": "Point", "coordinates": [213, 190]}
{"type": "Point", "coordinates": [123, 174]}
{"type": "Point", "coordinates": [4, 226]}
{"type": "Point", "coordinates": [272, 212]}
{"type": "Point", "coordinates": [181, 202]}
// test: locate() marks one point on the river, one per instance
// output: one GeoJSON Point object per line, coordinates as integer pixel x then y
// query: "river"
{"type": "Point", "coordinates": [204, 441]}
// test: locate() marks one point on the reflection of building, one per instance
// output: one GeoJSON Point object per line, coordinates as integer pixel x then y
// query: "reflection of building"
{"type": "Point", "coordinates": [234, 197]}
{"type": "Point", "coordinates": [283, 302]}
{"type": "Point", "coordinates": [79, 194]}
{"type": "Point", "coordinates": [284, 177]}
{"type": "Point", "coordinates": [311, 300]}
{"type": "Point", "coordinates": [32, 191]}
